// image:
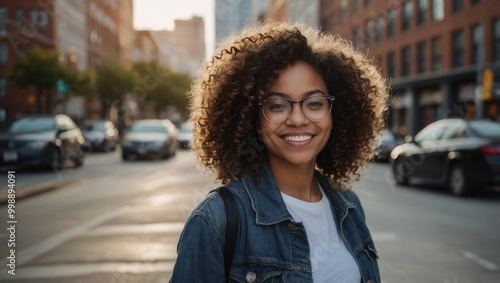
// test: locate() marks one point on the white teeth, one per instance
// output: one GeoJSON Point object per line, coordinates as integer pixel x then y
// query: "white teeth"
{"type": "Point", "coordinates": [297, 138]}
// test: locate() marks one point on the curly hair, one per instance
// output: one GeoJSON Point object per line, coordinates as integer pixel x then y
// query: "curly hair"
{"type": "Point", "coordinates": [224, 100]}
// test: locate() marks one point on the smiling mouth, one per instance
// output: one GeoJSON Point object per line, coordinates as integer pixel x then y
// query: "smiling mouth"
{"type": "Point", "coordinates": [297, 138]}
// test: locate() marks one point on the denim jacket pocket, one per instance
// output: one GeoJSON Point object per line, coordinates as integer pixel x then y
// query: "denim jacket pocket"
{"type": "Point", "coordinates": [372, 255]}
{"type": "Point", "coordinates": [255, 273]}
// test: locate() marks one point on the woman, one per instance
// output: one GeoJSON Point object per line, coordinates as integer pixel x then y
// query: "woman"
{"type": "Point", "coordinates": [285, 117]}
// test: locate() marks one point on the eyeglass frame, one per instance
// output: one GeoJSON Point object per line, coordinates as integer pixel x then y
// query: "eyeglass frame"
{"type": "Point", "coordinates": [301, 102]}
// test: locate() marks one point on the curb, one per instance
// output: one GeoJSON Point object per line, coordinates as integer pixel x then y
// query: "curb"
{"type": "Point", "coordinates": [33, 190]}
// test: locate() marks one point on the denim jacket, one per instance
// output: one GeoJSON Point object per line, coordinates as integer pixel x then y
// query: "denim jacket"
{"type": "Point", "coordinates": [271, 247]}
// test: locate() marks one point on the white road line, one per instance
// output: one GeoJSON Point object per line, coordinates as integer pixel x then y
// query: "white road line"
{"type": "Point", "coordinates": [108, 230]}
{"type": "Point", "coordinates": [479, 260]}
{"type": "Point", "coordinates": [158, 183]}
{"type": "Point", "coordinates": [70, 270]}
{"type": "Point", "coordinates": [44, 246]}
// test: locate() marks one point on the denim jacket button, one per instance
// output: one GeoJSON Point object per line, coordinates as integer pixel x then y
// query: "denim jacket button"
{"type": "Point", "coordinates": [370, 281]}
{"type": "Point", "coordinates": [251, 276]}
{"type": "Point", "coordinates": [292, 226]}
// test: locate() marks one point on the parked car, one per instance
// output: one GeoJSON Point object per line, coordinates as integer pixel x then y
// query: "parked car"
{"type": "Point", "coordinates": [388, 141]}
{"type": "Point", "coordinates": [100, 135]}
{"type": "Point", "coordinates": [42, 141]}
{"type": "Point", "coordinates": [149, 138]}
{"type": "Point", "coordinates": [185, 134]}
{"type": "Point", "coordinates": [463, 155]}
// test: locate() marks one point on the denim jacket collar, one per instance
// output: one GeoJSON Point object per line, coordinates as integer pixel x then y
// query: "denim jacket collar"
{"type": "Point", "coordinates": [269, 205]}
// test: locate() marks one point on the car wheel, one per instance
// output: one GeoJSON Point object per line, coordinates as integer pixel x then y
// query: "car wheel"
{"type": "Point", "coordinates": [457, 181]}
{"type": "Point", "coordinates": [400, 171]}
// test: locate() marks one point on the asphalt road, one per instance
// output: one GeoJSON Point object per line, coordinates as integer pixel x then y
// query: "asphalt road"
{"type": "Point", "coordinates": [115, 221]}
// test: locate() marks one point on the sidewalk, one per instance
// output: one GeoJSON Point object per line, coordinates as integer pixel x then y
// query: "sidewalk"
{"type": "Point", "coordinates": [27, 185]}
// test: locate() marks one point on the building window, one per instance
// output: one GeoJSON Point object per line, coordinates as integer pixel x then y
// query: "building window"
{"type": "Point", "coordinates": [379, 25]}
{"type": "Point", "coordinates": [355, 6]}
{"type": "Point", "coordinates": [3, 21]}
{"type": "Point", "coordinates": [407, 13]}
{"type": "Point", "coordinates": [436, 54]}
{"type": "Point", "coordinates": [4, 53]}
{"type": "Point", "coordinates": [458, 48]}
{"type": "Point", "coordinates": [458, 5]}
{"type": "Point", "coordinates": [355, 37]}
{"type": "Point", "coordinates": [405, 61]}
{"type": "Point", "coordinates": [391, 64]}
{"type": "Point", "coordinates": [477, 44]}
{"type": "Point", "coordinates": [474, 2]}
{"type": "Point", "coordinates": [3, 86]}
{"type": "Point", "coordinates": [368, 33]}
{"type": "Point", "coordinates": [437, 10]}
{"type": "Point", "coordinates": [496, 40]}
{"type": "Point", "coordinates": [422, 11]}
{"type": "Point", "coordinates": [344, 10]}
{"type": "Point", "coordinates": [39, 18]}
{"type": "Point", "coordinates": [421, 57]}
{"type": "Point", "coordinates": [391, 23]}
{"type": "Point", "coordinates": [19, 18]}
{"type": "Point", "coordinates": [367, 2]}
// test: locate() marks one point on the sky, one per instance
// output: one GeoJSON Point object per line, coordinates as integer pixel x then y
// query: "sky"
{"type": "Point", "coordinates": [160, 14]}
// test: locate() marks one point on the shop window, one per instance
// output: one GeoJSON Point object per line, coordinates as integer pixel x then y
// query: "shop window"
{"type": "Point", "coordinates": [421, 57]}
{"type": "Point", "coordinates": [407, 13]}
{"type": "Point", "coordinates": [436, 54]}
{"type": "Point", "coordinates": [422, 12]}
{"type": "Point", "coordinates": [458, 48]}
{"type": "Point", "coordinates": [477, 44]}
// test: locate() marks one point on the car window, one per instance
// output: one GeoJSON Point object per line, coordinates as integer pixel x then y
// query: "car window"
{"type": "Point", "coordinates": [65, 123]}
{"type": "Point", "coordinates": [147, 128]}
{"type": "Point", "coordinates": [485, 129]}
{"type": "Point", "coordinates": [188, 128]}
{"type": "Point", "coordinates": [454, 130]}
{"type": "Point", "coordinates": [432, 132]}
{"type": "Point", "coordinates": [31, 124]}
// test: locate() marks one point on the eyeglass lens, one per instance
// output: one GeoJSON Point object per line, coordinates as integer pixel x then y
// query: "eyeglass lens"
{"type": "Point", "coordinates": [315, 108]}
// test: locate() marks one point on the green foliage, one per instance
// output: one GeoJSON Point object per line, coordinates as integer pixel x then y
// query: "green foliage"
{"type": "Point", "coordinates": [79, 82]}
{"type": "Point", "coordinates": [37, 68]}
{"type": "Point", "coordinates": [113, 81]}
{"type": "Point", "coordinates": [161, 86]}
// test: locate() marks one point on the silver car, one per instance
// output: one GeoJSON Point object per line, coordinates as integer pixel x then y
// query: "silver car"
{"type": "Point", "coordinates": [150, 138]}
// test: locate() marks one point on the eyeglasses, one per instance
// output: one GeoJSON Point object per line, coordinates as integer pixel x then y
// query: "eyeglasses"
{"type": "Point", "coordinates": [315, 108]}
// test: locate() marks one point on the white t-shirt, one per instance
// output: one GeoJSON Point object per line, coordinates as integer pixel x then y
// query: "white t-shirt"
{"type": "Point", "coordinates": [331, 261]}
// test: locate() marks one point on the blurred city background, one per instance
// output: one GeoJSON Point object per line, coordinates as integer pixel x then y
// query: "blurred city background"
{"type": "Point", "coordinates": [94, 122]}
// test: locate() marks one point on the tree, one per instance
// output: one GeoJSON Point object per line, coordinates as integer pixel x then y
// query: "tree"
{"type": "Point", "coordinates": [162, 87]}
{"type": "Point", "coordinates": [38, 69]}
{"type": "Point", "coordinates": [79, 82]}
{"type": "Point", "coordinates": [113, 81]}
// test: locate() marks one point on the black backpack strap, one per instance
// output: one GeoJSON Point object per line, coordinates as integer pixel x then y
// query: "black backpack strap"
{"type": "Point", "coordinates": [231, 227]}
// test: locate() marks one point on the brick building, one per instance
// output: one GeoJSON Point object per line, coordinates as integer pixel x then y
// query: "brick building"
{"type": "Point", "coordinates": [22, 25]}
{"type": "Point", "coordinates": [435, 54]}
